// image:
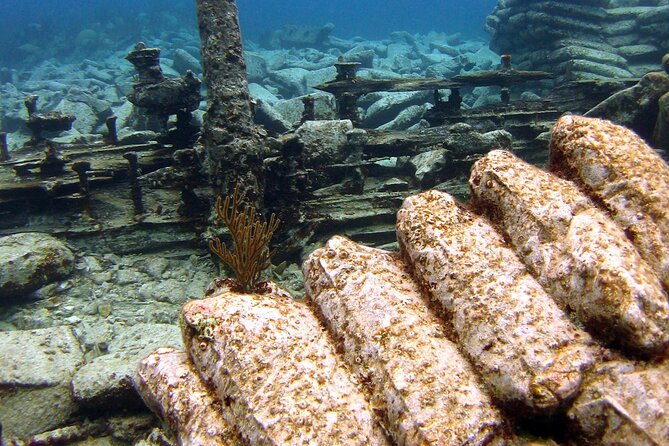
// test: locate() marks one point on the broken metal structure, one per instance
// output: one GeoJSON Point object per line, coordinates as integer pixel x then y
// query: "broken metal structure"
{"type": "Point", "coordinates": [347, 87]}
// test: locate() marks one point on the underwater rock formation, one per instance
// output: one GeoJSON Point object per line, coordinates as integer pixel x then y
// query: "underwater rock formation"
{"type": "Point", "coordinates": [637, 107]}
{"type": "Point", "coordinates": [581, 39]}
{"type": "Point", "coordinates": [293, 36]}
{"type": "Point", "coordinates": [43, 363]}
{"type": "Point", "coordinates": [29, 261]}
{"type": "Point", "coordinates": [459, 281]}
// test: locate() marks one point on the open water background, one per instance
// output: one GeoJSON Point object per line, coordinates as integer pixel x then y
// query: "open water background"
{"type": "Point", "coordinates": [41, 22]}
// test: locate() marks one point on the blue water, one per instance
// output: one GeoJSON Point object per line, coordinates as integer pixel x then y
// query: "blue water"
{"type": "Point", "coordinates": [370, 19]}
{"type": "Point", "coordinates": [42, 22]}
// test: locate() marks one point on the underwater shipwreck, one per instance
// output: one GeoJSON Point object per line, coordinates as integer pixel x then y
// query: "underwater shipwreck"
{"type": "Point", "coordinates": [351, 267]}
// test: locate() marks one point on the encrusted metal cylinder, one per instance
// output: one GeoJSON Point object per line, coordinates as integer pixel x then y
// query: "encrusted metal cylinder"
{"type": "Point", "coordinates": [135, 186]}
{"type": "Point", "coordinates": [308, 114]}
{"type": "Point", "coordinates": [82, 168]}
{"type": "Point", "coordinates": [624, 175]}
{"type": "Point", "coordinates": [4, 147]}
{"type": "Point", "coordinates": [267, 358]}
{"type": "Point", "coordinates": [575, 251]}
{"type": "Point", "coordinates": [506, 61]}
{"type": "Point", "coordinates": [112, 135]}
{"type": "Point", "coordinates": [347, 106]}
{"type": "Point", "coordinates": [346, 70]}
{"type": "Point", "coordinates": [532, 357]}
{"type": "Point", "coordinates": [505, 95]}
{"type": "Point", "coordinates": [31, 104]}
{"type": "Point", "coordinates": [425, 389]}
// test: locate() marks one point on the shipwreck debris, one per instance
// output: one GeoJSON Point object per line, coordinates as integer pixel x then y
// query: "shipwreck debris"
{"type": "Point", "coordinates": [233, 144]}
{"type": "Point", "coordinates": [4, 148]}
{"type": "Point", "coordinates": [53, 121]}
{"type": "Point", "coordinates": [135, 186]}
{"type": "Point", "coordinates": [112, 135]}
{"type": "Point", "coordinates": [82, 168]}
{"type": "Point", "coordinates": [158, 95]}
{"type": "Point", "coordinates": [347, 88]}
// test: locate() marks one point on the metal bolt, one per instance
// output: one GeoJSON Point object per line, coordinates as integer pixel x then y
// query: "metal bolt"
{"type": "Point", "coordinates": [112, 135]}
{"type": "Point", "coordinates": [82, 168]}
{"type": "Point", "coordinates": [4, 148]}
{"type": "Point", "coordinates": [135, 187]}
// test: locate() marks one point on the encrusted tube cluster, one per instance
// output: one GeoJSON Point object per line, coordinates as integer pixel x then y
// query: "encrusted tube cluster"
{"type": "Point", "coordinates": [271, 362]}
{"type": "Point", "coordinates": [470, 327]}
{"type": "Point", "coordinates": [530, 355]}
{"type": "Point", "coordinates": [575, 251]}
{"type": "Point", "coordinates": [623, 174]}
{"type": "Point", "coordinates": [415, 376]}
{"type": "Point", "coordinates": [171, 387]}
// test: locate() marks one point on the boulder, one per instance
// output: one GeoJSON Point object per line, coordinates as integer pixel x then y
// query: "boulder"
{"type": "Point", "coordinates": [107, 381]}
{"type": "Point", "coordinates": [265, 115]}
{"type": "Point", "coordinates": [184, 61]}
{"type": "Point", "coordinates": [291, 109]}
{"type": "Point", "coordinates": [390, 105]}
{"type": "Point", "coordinates": [293, 36]}
{"type": "Point", "coordinates": [406, 118]}
{"type": "Point", "coordinates": [320, 76]}
{"type": "Point", "coordinates": [290, 81]}
{"type": "Point", "coordinates": [256, 67]}
{"type": "Point", "coordinates": [35, 374]}
{"type": "Point", "coordinates": [429, 167]}
{"type": "Point", "coordinates": [86, 119]}
{"type": "Point", "coordinates": [324, 142]}
{"type": "Point", "coordinates": [261, 93]}
{"type": "Point", "coordinates": [364, 56]}
{"type": "Point", "coordinates": [464, 140]}
{"type": "Point", "coordinates": [31, 260]}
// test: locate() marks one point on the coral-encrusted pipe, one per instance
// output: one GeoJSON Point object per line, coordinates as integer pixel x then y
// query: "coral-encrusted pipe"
{"type": "Point", "coordinates": [532, 357]}
{"type": "Point", "coordinates": [620, 171]}
{"type": "Point", "coordinates": [169, 384]}
{"type": "Point", "coordinates": [274, 365]}
{"type": "Point", "coordinates": [415, 376]}
{"type": "Point", "coordinates": [575, 251]}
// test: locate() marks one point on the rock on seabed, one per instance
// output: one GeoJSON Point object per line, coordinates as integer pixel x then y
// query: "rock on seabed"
{"type": "Point", "coordinates": [31, 260]}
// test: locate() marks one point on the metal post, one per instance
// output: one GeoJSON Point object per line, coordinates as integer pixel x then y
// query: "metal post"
{"type": "Point", "coordinates": [82, 168]}
{"type": "Point", "coordinates": [308, 114]}
{"type": "Point", "coordinates": [112, 135]}
{"type": "Point", "coordinates": [135, 186]}
{"type": "Point", "coordinates": [4, 147]}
